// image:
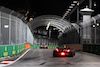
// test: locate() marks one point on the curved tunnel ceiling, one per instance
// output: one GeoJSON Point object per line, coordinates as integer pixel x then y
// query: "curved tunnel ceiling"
{"type": "Point", "coordinates": [55, 21]}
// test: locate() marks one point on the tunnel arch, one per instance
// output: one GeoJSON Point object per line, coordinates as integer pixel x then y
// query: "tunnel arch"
{"type": "Point", "coordinates": [55, 21]}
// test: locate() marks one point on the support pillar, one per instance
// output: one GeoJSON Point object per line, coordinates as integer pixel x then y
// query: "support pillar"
{"type": "Point", "coordinates": [86, 12]}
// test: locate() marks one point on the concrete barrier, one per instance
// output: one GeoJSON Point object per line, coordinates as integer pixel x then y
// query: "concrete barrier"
{"type": "Point", "coordinates": [77, 47]}
{"type": "Point", "coordinates": [91, 48]}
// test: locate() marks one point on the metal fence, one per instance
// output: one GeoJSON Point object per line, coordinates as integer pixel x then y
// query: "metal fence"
{"type": "Point", "coordinates": [12, 28]}
{"type": "Point", "coordinates": [42, 41]}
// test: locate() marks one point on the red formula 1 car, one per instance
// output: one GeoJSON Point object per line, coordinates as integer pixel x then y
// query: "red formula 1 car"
{"type": "Point", "coordinates": [43, 46]}
{"type": "Point", "coordinates": [58, 52]}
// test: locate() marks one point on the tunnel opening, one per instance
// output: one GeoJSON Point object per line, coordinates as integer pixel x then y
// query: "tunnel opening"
{"type": "Point", "coordinates": [56, 28]}
{"type": "Point", "coordinates": [51, 33]}
{"type": "Point", "coordinates": [46, 37]}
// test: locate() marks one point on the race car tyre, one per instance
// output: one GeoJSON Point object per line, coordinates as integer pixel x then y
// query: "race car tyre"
{"type": "Point", "coordinates": [46, 47]}
{"type": "Point", "coordinates": [54, 55]}
{"type": "Point", "coordinates": [71, 56]}
{"type": "Point", "coordinates": [74, 53]}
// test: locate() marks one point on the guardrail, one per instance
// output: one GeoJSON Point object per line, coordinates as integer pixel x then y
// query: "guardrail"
{"type": "Point", "coordinates": [91, 48]}
{"type": "Point", "coordinates": [10, 50]}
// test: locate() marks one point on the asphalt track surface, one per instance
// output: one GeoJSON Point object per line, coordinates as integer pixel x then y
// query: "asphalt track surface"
{"type": "Point", "coordinates": [44, 58]}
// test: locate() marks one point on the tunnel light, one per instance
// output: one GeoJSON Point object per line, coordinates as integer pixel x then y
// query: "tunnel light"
{"type": "Point", "coordinates": [97, 24]}
{"type": "Point", "coordinates": [70, 6]}
{"type": "Point", "coordinates": [73, 4]}
{"type": "Point", "coordinates": [27, 13]}
{"type": "Point", "coordinates": [69, 9]}
{"type": "Point", "coordinates": [93, 25]}
{"type": "Point", "coordinates": [65, 15]}
{"type": "Point", "coordinates": [74, 1]}
{"type": "Point", "coordinates": [25, 18]}
{"type": "Point", "coordinates": [6, 26]}
{"type": "Point", "coordinates": [48, 26]}
{"type": "Point", "coordinates": [66, 12]}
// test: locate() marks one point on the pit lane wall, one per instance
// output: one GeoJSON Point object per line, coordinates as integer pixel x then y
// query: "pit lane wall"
{"type": "Point", "coordinates": [10, 50]}
{"type": "Point", "coordinates": [91, 48]}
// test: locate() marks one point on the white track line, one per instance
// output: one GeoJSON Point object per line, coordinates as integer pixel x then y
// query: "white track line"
{"type": "Point", "coordinates": [11, 62]}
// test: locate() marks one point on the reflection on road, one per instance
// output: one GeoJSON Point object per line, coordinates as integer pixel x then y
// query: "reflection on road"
{"type": "Point", "coordinates": [44, 58]}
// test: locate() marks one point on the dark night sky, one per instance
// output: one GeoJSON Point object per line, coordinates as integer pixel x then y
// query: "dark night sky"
{"type": "Point", "coordinates": [41, 7]}
{"type": "Point", "coordinates": [44, 7]}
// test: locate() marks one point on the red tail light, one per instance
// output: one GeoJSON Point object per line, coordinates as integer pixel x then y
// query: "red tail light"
{"type": "Point", "coordinates": [45, 45]}
{"type": "Point", "coordinates": [57, 50]}
{"type": "Point", "coordinates": [41, 45]}
{"type": "Point", "coordinates": [68, 50]}
{"type": "Point", "coordinates": [63, 53]}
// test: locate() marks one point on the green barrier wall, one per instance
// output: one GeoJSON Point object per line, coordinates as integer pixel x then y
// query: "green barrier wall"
{"type": "Point", "coordinates": [49, 47]}
{"type": "Point", "coordinates": [52, 47]}
{"type": "Point", "coordinates": [10, 50]}
{"type": "Point", "coordinates": [36, 47]}
{"type": "Point", "coordinates": [91, 48]}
